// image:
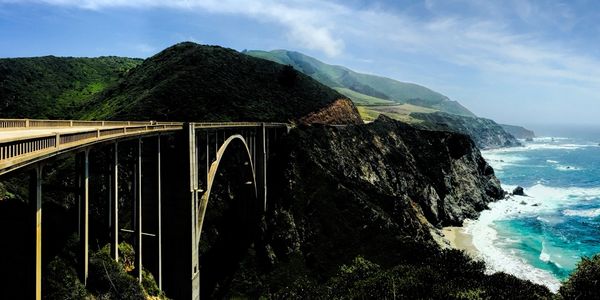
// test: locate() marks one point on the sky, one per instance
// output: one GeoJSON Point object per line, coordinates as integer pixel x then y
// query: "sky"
{"type": "Point", "coordinates": [516, 61]}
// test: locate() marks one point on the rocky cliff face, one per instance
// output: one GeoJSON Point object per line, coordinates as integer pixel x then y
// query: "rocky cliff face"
{"type": "Point", "coordinates": [374, 190]}
{"type": "Point", "coordinates": [341, 111]}
{"type": "Point", "coordinates": [486, 133]}
{"type": "Point", "coordinates": [518, 131]}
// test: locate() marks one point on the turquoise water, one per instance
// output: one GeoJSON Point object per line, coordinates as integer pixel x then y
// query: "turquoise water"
{"type": "Point", "coordinates": [543, 236]}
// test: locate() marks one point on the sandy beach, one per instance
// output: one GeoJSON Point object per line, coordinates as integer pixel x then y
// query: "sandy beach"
{"type": "Point", "coordinates": [457, 238]}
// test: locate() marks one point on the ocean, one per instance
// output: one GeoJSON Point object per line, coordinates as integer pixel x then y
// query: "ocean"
{"type": "Point", "coordinates": [542, 236]}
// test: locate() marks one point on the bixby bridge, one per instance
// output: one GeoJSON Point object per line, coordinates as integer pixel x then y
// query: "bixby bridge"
{"type": "Point", "coordinates": [178, 191]}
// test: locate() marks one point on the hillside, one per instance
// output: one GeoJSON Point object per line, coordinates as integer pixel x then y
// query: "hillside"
{"type": "Point", "coordinates": [191, 82]}
{"type": "Point", "coordinates": [485, 133]}
{"type": "Point", "coordinates": [364, 89]}
{"type": "Point", "coordinates": [56, 87]}
{"type": "Point", "coordinates": [350, 214]}
{"type": "Point", "coordinates": [518, 131]}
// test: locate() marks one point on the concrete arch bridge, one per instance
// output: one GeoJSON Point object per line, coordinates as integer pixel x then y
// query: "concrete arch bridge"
{"type": "Point", "coordinates": [173, 169]}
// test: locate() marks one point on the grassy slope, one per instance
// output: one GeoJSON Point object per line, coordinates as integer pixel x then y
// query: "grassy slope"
{"type": "Point", "coordinates": [56, 87]}
{"type": "Point", "coordinates": [193, 82]}
{"type": "Point", "coordinates": [364, 86]}
{"type": "Point", "coordinates": [399, 112]}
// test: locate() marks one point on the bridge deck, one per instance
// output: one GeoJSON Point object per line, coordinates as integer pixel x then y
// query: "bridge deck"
{"type": "Point", "coordinates": [27, 141]}
{"type": "Point", "coordinates": [23, 144]}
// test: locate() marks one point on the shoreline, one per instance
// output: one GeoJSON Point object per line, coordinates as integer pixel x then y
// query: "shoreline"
{"type": "Point", "coordinates": [457, 238]}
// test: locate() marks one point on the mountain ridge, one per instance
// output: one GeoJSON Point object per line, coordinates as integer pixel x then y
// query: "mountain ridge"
{"type": "Point", "coordinates": [376, 86]}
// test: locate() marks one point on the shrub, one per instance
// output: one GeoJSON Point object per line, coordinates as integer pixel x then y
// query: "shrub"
{"type": "Point", "coordinates": [61, 281]}
{"type": "Point", "coordinates": [584, 283]}
{"type": "Point", "coordinates": [108, 279]}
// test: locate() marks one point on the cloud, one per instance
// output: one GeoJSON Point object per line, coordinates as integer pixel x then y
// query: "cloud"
{"type": "Point", "coordinates": [305, 25]}
{"type": "Point", "coordinates": [483, 39]}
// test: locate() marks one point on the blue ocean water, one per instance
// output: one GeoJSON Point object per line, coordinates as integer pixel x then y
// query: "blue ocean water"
{"type": "Point", "coordinates": [541, 237]}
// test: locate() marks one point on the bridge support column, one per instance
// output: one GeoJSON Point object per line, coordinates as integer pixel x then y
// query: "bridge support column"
{"type": "Point", "coordinates": [84, 215]}
{"type": "Point", "coordinates": [115, 202]}
{"type": "Point", "coordinates": [138, 208]}
{"type": "Point", "coordinates": [35, 198]}
{"type": "Point", "coordinates": [262, 165]}
{"type": "Point", "coordinates": [193, 175]}
{"type": "Point", "coordinates": [159, 204]}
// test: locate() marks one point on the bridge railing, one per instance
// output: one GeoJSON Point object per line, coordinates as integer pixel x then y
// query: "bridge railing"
{"type": "Point", "coordinates": [33, 123]}
{"type": "Point", "coordinates": [237, 124]}
{"type": "Point", "coordinates": [21, 147]}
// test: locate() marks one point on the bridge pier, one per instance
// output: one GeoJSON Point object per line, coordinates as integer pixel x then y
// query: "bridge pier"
{"type": "Point", "coordinates": [138, 209]}
{"type": "Point", "coordinates": [159, 205]}
{"type": "Point", "coordinates": [35, 198]}
{"type": "Point", "coordinates": [84, 204]}
{"type": "Point", "coordinates": [262, 165]}
{"type": "Point", "coordinates": [114, 184]}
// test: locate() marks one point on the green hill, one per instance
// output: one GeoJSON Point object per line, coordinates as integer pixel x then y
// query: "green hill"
{"type": "Point", "coordinates": [191, 82]}
{"type": "Point", "coordinates": [56, 87]}
{"type": "Point", "coordinates": [364, 89]}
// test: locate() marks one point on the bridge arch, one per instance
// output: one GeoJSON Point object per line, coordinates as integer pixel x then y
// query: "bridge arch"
{"type": "Point", "coordinates": [214, 168]}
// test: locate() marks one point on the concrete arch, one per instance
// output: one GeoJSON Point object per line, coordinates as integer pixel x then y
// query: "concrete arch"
{"type": "Point", "coordinates": [214, 167]}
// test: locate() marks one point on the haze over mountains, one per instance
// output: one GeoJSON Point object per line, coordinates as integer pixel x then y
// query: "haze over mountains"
{"type": "Point", "coordinates": [364, 89]}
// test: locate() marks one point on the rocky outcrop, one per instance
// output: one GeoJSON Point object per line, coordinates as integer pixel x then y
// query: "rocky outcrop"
{"type": "Point", "coordinates": [342, 111]}
{"type": "Point", "coordinates": [374, 190]}
{"type": "Point", "coordinates": [518, 131]}
{"type": "Point", "coordinates": [486, 133]}
{"type": "Point", "coordinates": [518, 191]}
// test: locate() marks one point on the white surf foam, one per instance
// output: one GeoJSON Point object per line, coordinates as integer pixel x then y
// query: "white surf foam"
{"type": "Point", "coordinates": [551, 161]}
{"type": "Point", "coordinates": [586, 213]}
{"type": "Point", "coordinates": [485, 236]}
{"type": "Point", "coordinates": [567, 168]}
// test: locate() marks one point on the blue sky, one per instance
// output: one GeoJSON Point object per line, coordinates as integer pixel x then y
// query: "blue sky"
{"type": "Point", "coordinates": [516, 61]}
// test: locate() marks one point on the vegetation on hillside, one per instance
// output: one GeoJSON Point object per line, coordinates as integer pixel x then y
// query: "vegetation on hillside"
{"type": "Point", "coordinates": [56, 87]}
{"type": "Point", "coordinates": [191, 82]}
{"type": "Point", "coordinates": [364, 89]}
{"type": "Point", "coordinates": [584, 282]}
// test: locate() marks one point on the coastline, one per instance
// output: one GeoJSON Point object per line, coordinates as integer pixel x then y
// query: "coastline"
{"type": "Point", "coordinates": [457, 238]}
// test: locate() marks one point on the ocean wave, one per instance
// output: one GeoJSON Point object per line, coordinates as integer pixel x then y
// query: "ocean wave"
{"type": "Point", "coordinates": [549, 138]}
{"type": "Point", "coordinates": [550, 199]}
{"type": "Point", "coordinates": [551, 161]}
{"type": "Point", "coordinates": [536, 146]}
{"type": "Point", "coordinates": [500, 260]}
{"type": "Point", "coordinates": [567, 168]}
{"type": "Point", "coordinates": [586, 213]}
{"type": "Point", "coordinates": [547, 257]}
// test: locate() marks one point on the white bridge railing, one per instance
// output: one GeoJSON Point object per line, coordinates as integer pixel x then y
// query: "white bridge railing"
{"type": "Point", "coordinates": [18, 146]}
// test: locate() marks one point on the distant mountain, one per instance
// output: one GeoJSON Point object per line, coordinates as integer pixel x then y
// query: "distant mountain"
{"type": "Point", "coordinates": [56, 87]}
{"type": "Point", "coordinates": [364, 89]}
{"type": "Point", "coordinates": [518, 131]}
{"type": "Point", "coordinates": [192, 82]}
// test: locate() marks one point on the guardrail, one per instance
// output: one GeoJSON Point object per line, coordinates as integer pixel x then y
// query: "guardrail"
{"type": "Point", "coordinates": [33, 123]}
{"type": "Point", "coordinates": [54, 142]}
{"type": "Point", "coordinates": [237, 124]}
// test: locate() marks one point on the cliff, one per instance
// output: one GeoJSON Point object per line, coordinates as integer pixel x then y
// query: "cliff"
{"type": "Point", "coordinates": [372, 192]}
{"type": "Point", "coordinates": [342, 111]}
{"type": "Point", "coordinates": [486, 133]}
{"type": "Point", "coordinates": [518, 131]}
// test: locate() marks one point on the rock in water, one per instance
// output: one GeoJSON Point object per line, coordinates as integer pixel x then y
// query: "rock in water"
{"type": "Point", "coordinates": [518, 191]}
